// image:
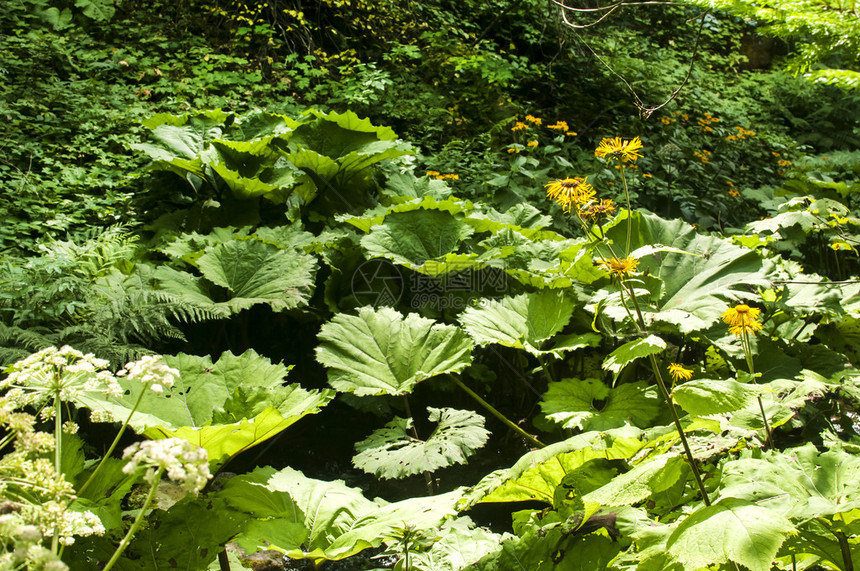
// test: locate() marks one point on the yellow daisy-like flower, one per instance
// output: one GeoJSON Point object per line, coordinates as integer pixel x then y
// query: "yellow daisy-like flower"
{"type": "Point", "coordinates": [570, 192]}
{"type": "Point", "coordinates": [559, 126]}
{"type": "Point", "coordinates": [603, 207]}
{"type": "Point", "coordinates": [678, 372]}
{"type": "Point", "coordinates": [619, 266]}
{"type": "Point", "coordinates": [742, 319]}
{"type": "Point", "coordinates": [618, 148]}
{"type": "Point", "coordinates": [432, 173]}
{"type": "Point", "coordinates": [533, 119]}
{"type": "Point", "coordinates": [532, 144]}
{"type": "Point", "coordinates": [519, 126]}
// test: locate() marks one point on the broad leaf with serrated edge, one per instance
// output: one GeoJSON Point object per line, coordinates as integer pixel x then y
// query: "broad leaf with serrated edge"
{"type": "Point", "coordinates": [572, 403]}
{"type": "Point", "coordinates": [382, 352]}
{"type": "Point", "coordinates": [338, 520]}
{"type": "Point", "coordinates": [392, 452]}
{"type": "Point", "coordinates": [696, 289]}
{"type": "Point", "coordinates": [413, 238]}
{"type": "Point", "coordinates": [705, 396]}
{"type": "Point", "coordinates": [633, 350]}
{"type": "Point", "coordinates": [525, 321]}
{"type": "Point", "coordinates": [254, 272]}
{"type": "Point", "coordinates": [537, 474]}
{"type": "Point", "coordinates": [639, 483]}
{"type": "Point", "coordinates": [731, 530]}
{"type": "Point", "coordinates": [226, 407]}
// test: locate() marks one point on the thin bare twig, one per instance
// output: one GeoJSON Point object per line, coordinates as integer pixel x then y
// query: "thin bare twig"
{"type": "Point", "coordinates": [644, 110]}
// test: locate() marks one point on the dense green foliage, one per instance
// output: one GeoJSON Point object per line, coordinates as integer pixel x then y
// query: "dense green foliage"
{"type": "Point", "coordinates": [329, 221]}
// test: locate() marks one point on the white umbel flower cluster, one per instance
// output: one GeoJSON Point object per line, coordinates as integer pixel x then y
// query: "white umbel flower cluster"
{"type": "Point", "coordinates": [151, 370]}
{"type": "Point", "coordinates": [51, 373]}
{"type": "Point", "coordinates": [182, 461]}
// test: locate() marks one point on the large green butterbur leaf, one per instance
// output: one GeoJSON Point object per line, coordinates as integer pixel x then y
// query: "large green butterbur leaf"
{"type": "Point", "coordinates": [393, 452]}
{"type": "Point", "coordinates": [629, 352]}
{"type": "Point", "coordinates": [382, 352]}
{"type": "Point", "coordinates": [704, 396]}
{"type": "Point", "coordinates": [537, 474]}
{"type": "Point", "coordinates": [226, 407]}
{"type": "Point", "coordinates": [730, 531]}
{"type": "Point", "coordinates": [336, 151]}
{"type": "Point", "coordinates": [696, 289]}
{"type": "Point", "coordinates": [314, 519]}
{"type": "Point", "coordinates": [573, 403]}
{"type": "Point", "coordinates": [640, 483]}
{"type": "Point", "coordinates": [251, 271]}
{"type": "Point", "coordinates": [527, 322]}
{"type": "Point", "coordinates": [802, 483]}
{"type": "Point", "coordinates": [417, 234]}
{"type": "Point", "coordinates": [413, 238]}
{"type": "Point", "coordinates": [273, 156]}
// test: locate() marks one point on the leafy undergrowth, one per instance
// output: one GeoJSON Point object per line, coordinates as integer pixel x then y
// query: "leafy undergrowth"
{"type": "Point", "coordinates": [514, 341]}
{"type": "Point", "coordinates": [631, 391]}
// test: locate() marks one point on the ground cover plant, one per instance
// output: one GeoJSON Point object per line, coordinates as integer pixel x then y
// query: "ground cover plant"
{"type": "Point", "coordinates": [379, 285]}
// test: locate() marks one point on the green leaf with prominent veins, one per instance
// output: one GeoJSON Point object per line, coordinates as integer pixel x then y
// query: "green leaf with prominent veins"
{"type": "Point", "coordinates": [413, 238]}
{"type": "Point", "coordinates": [731, 530]}
{"type": "Point", "coordinates": [639, 483]}
{"type": "Point", "coordinates": [257, 273]}
{"type": "Point", "coordinates": [523, 322]}
{"type": "Point", "coordinates": [802, 482]}
{"type": "Point", "coordinates": [381, 352]}
{"type": "Point", "coordinates": [338, 521]}
{"type": "Point", "coordinates": [704, 396]}
{"type": "Point", "coordinates": [536, 475]}
{"type": "Point", "coordinates": [226, 407]}
{"type": "Point", "coordinates": [696, 289]}
{"type": "Point", "coordinates": [393, 452]}
{"type": "Point", "coordinates": [590, 405]}
{"type": "Point", "coordinates": [633, 350]}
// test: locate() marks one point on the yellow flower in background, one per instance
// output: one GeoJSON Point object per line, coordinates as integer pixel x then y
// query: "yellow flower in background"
{"type": "Point", "coordinates": [742, 319]}
{"type": "Point", "coordinates": [432, 173]}
{"type": "Point", "coordinates": [678, 372]}
{"type": "Point", "coordinates": [573, 134]}
{"type": "Point", "coordinates": [619, 149]}
{"type": "Point", "coordinates": [533, 119]}
{"type": "Point", "coordinates": [519, 126]}
{"type": "Point", "coordinates": [513, 150]}
{"type": "Point", "coordinates": [620, 267]}
{"type": "Point", "coordinates": [559, 126]}
{"type": "Point", "coordinates": [784, 163]}
{"type": "Point", "coordinates": [570, 192]}
{"type": "Point", "coordinates": [532, 144]}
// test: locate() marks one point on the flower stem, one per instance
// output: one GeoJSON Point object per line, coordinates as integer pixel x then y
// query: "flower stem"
{"type": "Point", "coordinates": [768, 438]}
{"type": "Point", "coordinates": [670, 404]}
{"type": "Point", "coordinates": [667, 396]}
{"type": "Point", "coordinates": [629, 213]}
{"type": "Point", "coordinates": [114, 443]}
{"type": "Point", "coordinates": [497, 414]}
{"type": "Point", "coordinates": [58, 460]}
{"type": "Point", "coordinates": [136, 525]}
{"type": "Point", "coordinates": [428, 477]}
